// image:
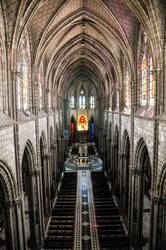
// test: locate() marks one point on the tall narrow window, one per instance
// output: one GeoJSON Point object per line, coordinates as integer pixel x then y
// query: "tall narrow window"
{"type": "Point", "coordinates": [82, 100]}
{"type": "Point", "coordinates": [144, 82]}
{"type": "Point", "coordinates": [25, 85]}
{"type": "Point", "coordinates": [72, 102]}
{"type": "Point", "coordinates": [40, 91]}
{"type": "Point", "coordinates": [92, 102]}
{"type": "Point", "coordinates": [151, 79]}
{"type": "Point", "coordinates": [92, 129]}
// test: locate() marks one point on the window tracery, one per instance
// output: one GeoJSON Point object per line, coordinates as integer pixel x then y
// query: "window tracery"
{"type": "Point", "coordinates": [144, 81]}
{"type": "Point", "coordinates": [151, 77]}
{"type": "Point", "coordinates": [25, 84]}
{"type": "Point", "coordinates": [23, 87]}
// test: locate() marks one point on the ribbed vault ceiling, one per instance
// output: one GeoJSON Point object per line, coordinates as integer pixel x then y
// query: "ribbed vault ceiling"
{"type": "Point", "coordinates": [80, 38]}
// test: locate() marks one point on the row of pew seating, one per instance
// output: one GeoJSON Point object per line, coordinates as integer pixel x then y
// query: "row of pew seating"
{"type": "Point", "coordinates": [60, 230]}
{"type": "Point", "coordinates": [111, 228]}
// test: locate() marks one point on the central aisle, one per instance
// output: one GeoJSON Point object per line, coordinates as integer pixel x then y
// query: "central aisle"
{"type": "Point", "coordinates": [86, 236]}
{"type": "Point", "coordinates": [85, 215]}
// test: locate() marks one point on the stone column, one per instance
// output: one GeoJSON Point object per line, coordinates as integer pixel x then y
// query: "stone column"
{"type": "Point", "coordinates": [11, 242]}
{"type": "Point", "coordinates": [158, 224]}
{"type": "Point", "coordinates": [14, 224]}
{"type": "Point", "coordinates": [136, 215]}
{"type": "Point", "coordinates": [121, 181]}
{"type": "Point", "coordinates": [112, 160]}
{"type": "Point", "coordinates": [125, 182]}
{"type": "Point", "coordinates": [53, 168]}
{"type": "Point", "coordinates": [47, 183]}
{"type": "Point", "coordinates": [163, 218]}
{"type": "Point", "coordinates": [35, 210]}
{"type": "Point", "coordinates": [104, 152]}
{"type": "Point", "coordinates": [39, 210]}
{"type": "Point", "coordinates": [109, 157]}
{"type": "Point", "coordinates": [140, 196]}
{"type": "Point", "coordinates": [155, 204]}
{"type": "Point", "coordinates": [115, 166]}
{"type": "Point", "coordinates": [131, 214]}
{"type": "Point", "coordinates": [20, 223]}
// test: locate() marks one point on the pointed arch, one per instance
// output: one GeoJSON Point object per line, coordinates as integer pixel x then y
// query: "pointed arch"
{"type": "Point", "coordinates": [142, 189]}
{"type": "Point", "coordinates": [30, 152]}
{"type": "Point", "coordinates": [7, 181]}
{"type": "Point", "coordinates": [141, 149]}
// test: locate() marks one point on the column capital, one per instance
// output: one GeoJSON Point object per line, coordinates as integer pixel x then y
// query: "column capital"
{"type": "Point", "coordinates": [155, 198]}
{"type": "Point", "coordinates": [17, 201]}
{"type": "Point", "coordinates": [137, 172]}
{"type": "Point", "coordinates": [38, 170]}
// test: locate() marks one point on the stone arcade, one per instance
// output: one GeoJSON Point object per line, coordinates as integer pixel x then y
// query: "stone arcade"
{"type": "Point", "coordinates": [78, 74]}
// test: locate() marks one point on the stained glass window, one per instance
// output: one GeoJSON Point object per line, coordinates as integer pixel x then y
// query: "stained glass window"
{"type": "Point", "coordinates": [82, 100]}
{"type": "Point", "coordinates": [25, 85]}
{"type": "Point", "coordinates": [82, 124]}
{"type": "Point", "coordinates": [144, 82]}
{"type": "Point", "coordinates": [72, 102]}
{"type": "Point", "coordinates": [151, 79]}
{"type": "Point", "coordinates": [92, 102]}
{"type": "Point", "coordinates": [92, 132]}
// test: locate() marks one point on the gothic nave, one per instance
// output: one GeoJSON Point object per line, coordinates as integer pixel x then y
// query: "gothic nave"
{"type": "Point", "coordinates": [82, 124]}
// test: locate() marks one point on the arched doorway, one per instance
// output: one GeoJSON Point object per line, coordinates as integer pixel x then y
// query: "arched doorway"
{"type": "Point", "coordinates": [141, 196]}
{"type": "Point", "coordinates": [28, 198]}
{"type": "Point", "coordinates": [31, 189]}
{"type": "Point", "coordinates": [12, 226]}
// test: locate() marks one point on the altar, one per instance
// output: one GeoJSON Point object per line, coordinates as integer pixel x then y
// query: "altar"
{"type": "Point", "coordinates": [83, 162]}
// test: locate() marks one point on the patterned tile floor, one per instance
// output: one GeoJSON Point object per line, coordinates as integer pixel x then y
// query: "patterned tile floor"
{"type": "Point", "coordinates": [86, 233]}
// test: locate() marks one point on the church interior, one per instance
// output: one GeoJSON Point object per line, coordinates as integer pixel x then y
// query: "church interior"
{"type": "Point", "coordinates": [82, 124]}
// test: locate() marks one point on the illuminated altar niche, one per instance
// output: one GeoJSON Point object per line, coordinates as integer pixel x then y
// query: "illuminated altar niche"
{"type": "Point", "coordinates": [82, 124]}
